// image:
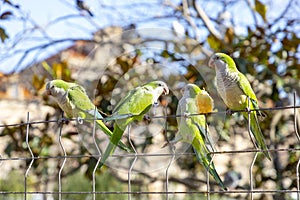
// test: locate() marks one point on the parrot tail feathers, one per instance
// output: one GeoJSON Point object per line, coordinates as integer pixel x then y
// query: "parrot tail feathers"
{"type": "Point", "coordinates": [258, 135]}
{"type": "Point", "coordinates": [211, 169]}
{"type": "Point", "coordinates": [109, 150]}
{"type": "Point", "coordinates": [205, 160]}
{"type": "Point", "coordinates": [114, 142]}
{"type": "Point", "coordinates": [124, 147]}
{"type": "Point", "coordinates": [109, 134]}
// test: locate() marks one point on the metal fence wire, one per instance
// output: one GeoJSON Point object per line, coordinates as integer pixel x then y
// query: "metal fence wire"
{"type": "Point", "coordinates": [168, 192]}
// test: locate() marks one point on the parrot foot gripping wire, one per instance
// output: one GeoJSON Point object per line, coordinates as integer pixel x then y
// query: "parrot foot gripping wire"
{"type": "Point", "coordinates": [186, 115]}
{"type": "Point", "coordinates": [229, 112]}
{"type": "Point", "coordinates": [63, 120]}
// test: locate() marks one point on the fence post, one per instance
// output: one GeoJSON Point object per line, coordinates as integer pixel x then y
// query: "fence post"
{"type": "Point", "coordinates": [64, 155]}
{"type": "Point", "coordinates": [132, 164]}
{"type": "Point", "coordinates": [298, 137]}
{"type": "Point", "coordinates": [31, 153]}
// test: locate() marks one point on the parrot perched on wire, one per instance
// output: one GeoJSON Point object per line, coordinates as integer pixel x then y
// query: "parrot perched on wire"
{"type": "Point", "coordinates": [193, 129]}
{"type": "Point", "coordinates": [234, 89]}
{"type": "Point", "coordinates": [133, 107]}
{"type": "Point", "coordinates": [74, 101]}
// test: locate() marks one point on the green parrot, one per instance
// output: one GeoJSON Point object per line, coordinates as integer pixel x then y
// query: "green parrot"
{"type": "Point", "coordinates": [234, 89]}
{"type": "Point", "coordinates": [192, 129]}
{"type": "Point", "coordinates": [133, 107]}
{"type": "Point", "coordinates": [74, 101]}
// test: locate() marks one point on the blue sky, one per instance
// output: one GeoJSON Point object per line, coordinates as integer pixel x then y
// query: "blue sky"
{"type": "Point", "coordinates": [106, 13]}
{"type": "Point", "coordinates": [78, 25]}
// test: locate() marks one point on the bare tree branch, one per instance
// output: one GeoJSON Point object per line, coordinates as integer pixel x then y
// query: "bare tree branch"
{"type": "Point", "coordinates": [186, 15]}
{"type": "Point", "coordinates": [252, 9]}
{"type": "Point", "coordinates": [283, 12]}
{"type": "Point", "coordinates": [39, 47]}
{"type": "Point", "coordinates": [207, 22]}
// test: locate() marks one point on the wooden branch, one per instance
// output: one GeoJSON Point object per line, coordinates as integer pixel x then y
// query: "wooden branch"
{"type": "Point", "coordinates": [187, 16]}
{"type": "Point", "coordinates": [252, 11]}
{"type": "Point", "coordinates": [207, 22]}
{"type": "Point", "coordinates": [283, 12]}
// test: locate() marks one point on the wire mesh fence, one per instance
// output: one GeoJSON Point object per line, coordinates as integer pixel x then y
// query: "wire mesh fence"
{"type": "Point", "coordinates": [167, 192]}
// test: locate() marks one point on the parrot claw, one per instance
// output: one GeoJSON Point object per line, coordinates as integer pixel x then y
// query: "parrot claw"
{"type": "Point", "coordinates": [186, 115]}
{"type": "Point", "coordinates": [248, 110]}
{"type": "Point", "coordinates": [147, 118]}
{"type": "Point", "coordinates": [164, 145]}
{"type": "Point", "coordinates": [229, 112]}
{"type": "Point", "coordinates": [60, 120]}
{"type": "Point", "coordinates": [171, 143]}
{"type": "Point", "coordinates": [63, 120]}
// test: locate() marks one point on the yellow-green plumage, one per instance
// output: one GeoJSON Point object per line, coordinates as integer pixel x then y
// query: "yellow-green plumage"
{"type": "Point", "coordinates": [74, 101]}
{"type": "Point", "coordinates": [133, 107]}
{"type": "Point", "coordinates": [234, 89]}
{"type": "Point", "coordinates": [193, 130]}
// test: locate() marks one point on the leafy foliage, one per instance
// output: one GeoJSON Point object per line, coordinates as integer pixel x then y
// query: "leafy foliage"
{"type": "Point", "coordinates": [267, 52]}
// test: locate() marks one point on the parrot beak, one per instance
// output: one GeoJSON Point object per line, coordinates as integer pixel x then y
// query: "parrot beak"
{"type": "Point", "coordinates": [166, 91]}
{"type": "Point", "coordinates": [48, 92]}
{"type": "Point", "coordinates": [182, 90]}
{"type": "Point", "coordinates": [211, 62]}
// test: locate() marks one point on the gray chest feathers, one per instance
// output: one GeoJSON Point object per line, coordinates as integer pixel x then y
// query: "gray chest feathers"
{"type": "Point", "coordinates": [226, 81]}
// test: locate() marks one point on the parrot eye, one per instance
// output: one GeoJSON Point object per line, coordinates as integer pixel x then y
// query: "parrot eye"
{"type": "Point", "coordinates": [217, 57]}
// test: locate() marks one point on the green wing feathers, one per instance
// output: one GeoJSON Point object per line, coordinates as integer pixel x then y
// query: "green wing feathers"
{"type": "Point", "coordinates": [254, 123]}
{"type": "Point", "coordinates": [85, 109]}
{"type": "Point", "coordinates": [137, 103]}
{"type": "Point", "coordinates": [79, 98]}
{"type": "Point", "coordinates": [246, 87]}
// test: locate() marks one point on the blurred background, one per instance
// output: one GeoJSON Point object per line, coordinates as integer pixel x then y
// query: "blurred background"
{"type": "Point", "coordinates": [111, 47]}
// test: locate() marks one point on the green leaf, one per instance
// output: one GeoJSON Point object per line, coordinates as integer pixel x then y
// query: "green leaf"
{"type": "Point", "coordinates": [261, 9]}
{"type": "Point", "coordinates": [48, 68]}
{"type": "Point", "coordinates": [3, 34]}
